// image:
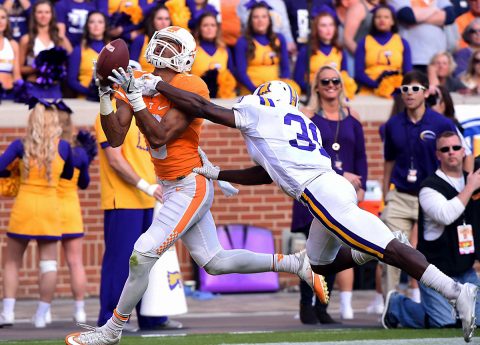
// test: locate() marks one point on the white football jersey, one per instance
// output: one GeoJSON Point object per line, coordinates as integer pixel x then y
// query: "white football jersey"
{"type": "Point", "coordinates": [283, 141]}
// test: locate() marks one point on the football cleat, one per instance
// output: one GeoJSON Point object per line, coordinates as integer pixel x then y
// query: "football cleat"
{"type": "Point", "coordinates": [314, 280]}
{"type": "Point", "coordinates": [94, 336]}
{"type": "Point", "coordinates": [465, 306]}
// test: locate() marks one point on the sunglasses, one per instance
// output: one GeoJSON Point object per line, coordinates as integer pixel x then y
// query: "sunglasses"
{"type": "Point", "coordinates": [411, 88]}
{"type": "Point", "coordinates": [474, 31]}
{"type": "Point", "coordinates": [446, 149]}
{"type": "Point", "coordinates": [475, 61]}
{"type": "Point", "coordinates": [334, 81]}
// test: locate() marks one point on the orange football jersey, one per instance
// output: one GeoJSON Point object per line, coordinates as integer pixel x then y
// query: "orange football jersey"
{"type": "Point", "coordinates": [179, 156]}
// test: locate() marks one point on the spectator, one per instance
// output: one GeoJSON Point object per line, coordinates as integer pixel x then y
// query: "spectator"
{"type": "Point", "coordinates": [42, 35]}
{"type": "Point", "coordinates": [448, 231]}
{"type": "Point", "coordinates": [18, 12]}
{"type": "Point", "coordinates": [440, 72]}
{"type": "Point", "coordinates": [9, 60]}
{"type": "Point", "coordinates": [344, 141]}
{"type": "Point", "coordinates": [471, 35]}
{"type": "Point", "coordinates": [409, 151]}
{"type": "Point", "coordinates": [442, 103]}
{"type": "Point", "coordinates": [324, 50]}
{"type": "Point", "coordinates": [80, 69]}
{"type": "Point", "coordinates": [382, 57]}
{"type": "Point", "coordinates": [72, 17]}
{"type": "Point", "coordinates": [420, 22]}
{"type": "Point", "coordinates": [197, 8]}
{"type": "Point", "coordinates": [471, 77]}
{"type": "Point", "coordinates": [261, 54]}
{"type": "Point", "coordinates": [128, 212]}
{"type": "Point", "coordinates": [159, 18]}
{"type": "Point", "coordinates": [278, 16]}
{"type": "Point", "coordinates": [298, 15]}
{"type": "Point", "coordinates": [213, 62]}
{"type": "Point", "coordinates": [44, 159]}
{"type": "Point", "coordinates": [84, 149]}
{"type": "Point", "coordinates": [358, 21]}
{"type": "Point", "coordinates": [125, 18]}
{"type": "Point", "coordinates": [466, 18]}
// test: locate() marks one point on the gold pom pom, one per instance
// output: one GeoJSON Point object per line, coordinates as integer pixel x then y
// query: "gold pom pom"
{"type": "Point", "coordinates": [226, 85]}
{"type": "Point", "coordinates": [388, 85]}
{"type": "Point", "coordinates": [179, 13]}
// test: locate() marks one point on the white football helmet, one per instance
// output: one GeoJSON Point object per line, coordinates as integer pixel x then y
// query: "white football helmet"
{"type": "Point", "coordinates": [161, 44]}
{"type": "Point", "coordinates": [278, 91]}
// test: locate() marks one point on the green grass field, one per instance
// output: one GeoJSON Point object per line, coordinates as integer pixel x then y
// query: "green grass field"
{"type": "Point", "coordinates": [279, 337]}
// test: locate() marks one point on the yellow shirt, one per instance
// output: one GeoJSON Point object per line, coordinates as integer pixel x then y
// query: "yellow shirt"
{"type": "Point", "coordinates": [205, 62]}
{"type": "Point", "coordinates": [147, 67]}
{"type": "Point", "coordinates": [319, 59]}
{"type": "Point", "coordinates": [380, 58]}
{"type": "Point", "coordinates": [264, 66]}
{"type": "Point", "coordinates": [85, 72]}
{"type": "Point", "coordinates": [115, 192]}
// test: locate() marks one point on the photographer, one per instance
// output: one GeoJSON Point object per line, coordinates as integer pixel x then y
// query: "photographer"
{"type": "Point", "coordinates": [448, 234]}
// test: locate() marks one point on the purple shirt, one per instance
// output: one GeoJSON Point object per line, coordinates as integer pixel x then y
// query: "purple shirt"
{"type": "Point", "coordinates": [74, 15]}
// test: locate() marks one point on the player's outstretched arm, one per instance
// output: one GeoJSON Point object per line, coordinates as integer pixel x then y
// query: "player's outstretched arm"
{"type": "Point", "coordinates": [195, 104]}
{"type": "Point", "coordinates": [116, 124]}
{"type": "Point", "coordinates": [248, 177]}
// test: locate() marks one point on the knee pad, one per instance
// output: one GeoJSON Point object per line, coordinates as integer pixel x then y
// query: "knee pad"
{"type": "Point", "coordinates": [145, 244]}
{"type": "Point", "coordinates": [140, 264]}
{"type": "Point", "coordinates": [48, 266]}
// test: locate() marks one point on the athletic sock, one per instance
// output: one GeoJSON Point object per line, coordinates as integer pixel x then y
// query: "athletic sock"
{"type": "Point", "coordinates": [42, 309]}
{"type": "Point", "coordinates": [440, 282]}
{"type": "Point", "coordinates": [346, 299]}
{"type": "Point", "coordinates": [8, 306]}
{"type": "Point", "coordinates": [287, 263]}
{"type": "Point", "coordinates": [116, 323]}
{"type": "Point", "coordinates": [79, 306]}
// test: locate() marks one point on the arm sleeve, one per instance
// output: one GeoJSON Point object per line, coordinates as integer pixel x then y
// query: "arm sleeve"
{"type": "Point", "coordinates": [388, 147]}
{"type": "Point", "coordinates": [300, 67]}
{"type": "Point", "coordinates": [344, 66]}
{"type": "Point", "coordinates": [13, 151]}
{"type": "Point", "coordinates": [440, 209]}
{"type": "Point", "coordinates": [407, 57]}
{"type": "Point", "coordinates": [241, 61]}
{"type": "Point", "coordinates": [450, 15]}
{"type": "Point", "coordinates": [84, 176]}
{"type": "Point", "coordinates": [406, 15]}
{"type": "Point", "coordinates": [360, 75]}
{"type": "Point", "coordinates": [61, 13]}
{"type": "Point", "coordinates": [74, 70]}
{"type": "Point", "coordinates": [284, 61]}
{"type": "Point", "coordinates": [361, 167]}
{"type": "Point", "coordinates": [65, 152]}
{"type": "Point", "coordinates": [136, 47]}
{"type": "Point", "coordinates": [230, 63]}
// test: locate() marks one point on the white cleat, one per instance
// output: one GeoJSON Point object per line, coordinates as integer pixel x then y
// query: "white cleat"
{"type": "Point", "coordinates": [39, 321]}
{"type": "Point", "coordinates": [465, 306]}
{"type": "Point", "coordinates": [7, 319]}
{"type": "Point", "coordinates": [48, 317]}
{"type": "Point", "coordinates": [314, 280]}
{"type": "Point", "coordinates": [94, 336]}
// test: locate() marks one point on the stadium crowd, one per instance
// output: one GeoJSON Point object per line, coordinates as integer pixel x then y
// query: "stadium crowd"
{"type": "Point", "coordinates": [327, 51]}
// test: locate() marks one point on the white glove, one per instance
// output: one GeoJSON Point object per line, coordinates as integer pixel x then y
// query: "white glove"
{"type": "Point", "coordinates": [131, 85]}
{"type": "Point", "coordinates": [104, 92]}
{"type": "Point", "coordinates": [208, 169]}
{"type": "Point", "coordinates": [150, 82]}
{"type": "Point", "coordinates": [146, 187]}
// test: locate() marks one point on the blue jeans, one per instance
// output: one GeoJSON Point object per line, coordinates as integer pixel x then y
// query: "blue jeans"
{"type": "Point", "coordinates": [434, 311]}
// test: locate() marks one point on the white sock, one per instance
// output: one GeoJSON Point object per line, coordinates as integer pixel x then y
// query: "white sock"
{"type": "Point", "coordinates": [415, 295]}
{"type": "Point", "coordinates": [286, 263]}
{"type": "Point", "coordinates": [346, 298]}
{"type": "Point", "coordinates": [8, 306]}
{"type": "Point", "coordinates": [116, 323]}
{"type": "Point", "coordinates": [378, 299]}
{"type": "Point", "coordinates": [79, 306]}
{"type": "Point", "coordinates": [42, 309]}
{"type": "Point", "coordinates": [440, 282]}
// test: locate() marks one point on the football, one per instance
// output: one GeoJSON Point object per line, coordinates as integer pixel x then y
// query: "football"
{"type": "Point", "coordinates": [114, 55]}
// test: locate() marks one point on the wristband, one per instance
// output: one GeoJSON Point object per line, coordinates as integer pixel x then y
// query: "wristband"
{"type": "Point", "coordinates": [106, 107]}
{"type": "Point", "coordinates": [144, 186]}
{"type": "Point", "coordinates": [136, 101]}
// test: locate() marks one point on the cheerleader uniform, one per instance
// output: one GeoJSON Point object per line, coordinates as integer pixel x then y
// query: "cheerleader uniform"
{"type": "Point", "coordinates": [70, 211]}
{"type": "Point", "coordinates": [80, 67]}
{"type": "Point", "coordinates": [266, 65]}
{"type": "Point", "coordinates": [327, 54]}
{"type": "Point", "coordinates": [35, 212]}
{"type": "Point", "coordinates": [378, 54]}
